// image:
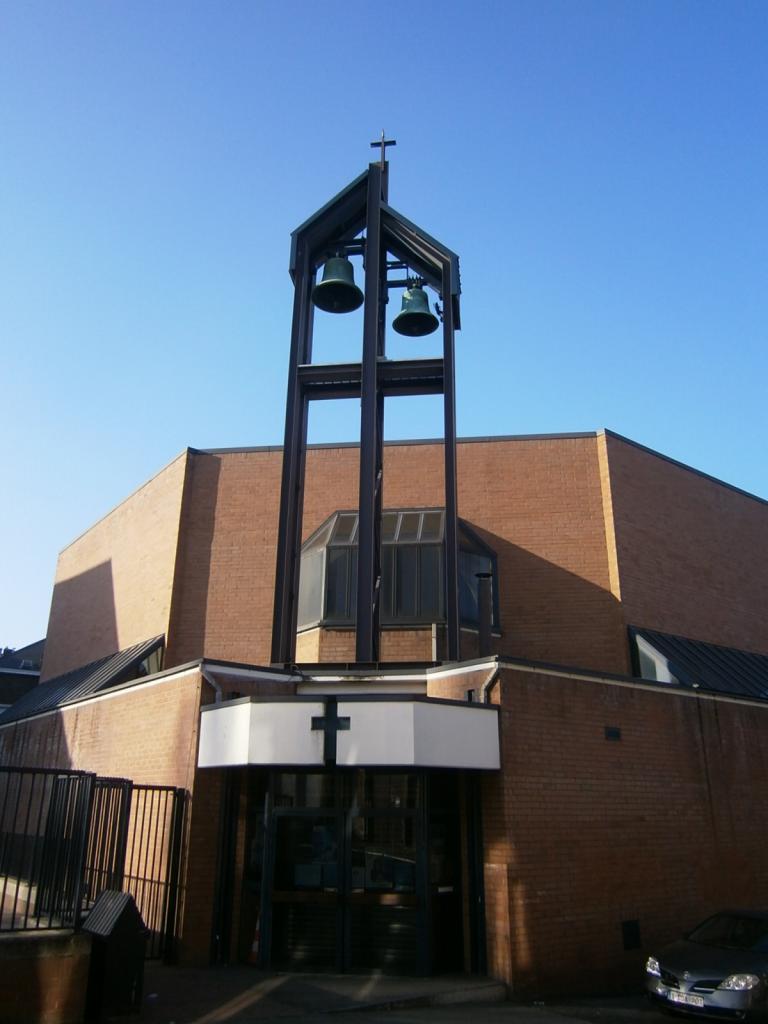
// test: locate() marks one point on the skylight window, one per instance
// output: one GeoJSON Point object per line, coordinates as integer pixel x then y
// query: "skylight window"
{"type": "Point", "coordinates": [412, 570]}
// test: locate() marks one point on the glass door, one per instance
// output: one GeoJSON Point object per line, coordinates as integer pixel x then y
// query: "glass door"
{"type": "Point", "coordinates": [385, 895]}
{"type": "Point", "coordinates": [384, 902]}
{"type": "Point", "coordinates": [305, 892]}
{"type": "Point", "coordinates": [348, 873]}
{"type": "Point", "coordinates": [305, 853]}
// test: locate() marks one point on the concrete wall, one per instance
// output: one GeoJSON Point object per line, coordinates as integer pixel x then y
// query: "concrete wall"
{"type": "Point", "coordinates": [44, 977]}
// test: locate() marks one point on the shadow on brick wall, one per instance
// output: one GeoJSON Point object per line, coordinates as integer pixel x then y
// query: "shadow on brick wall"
{"type": "Point", "coordinates": [189, 602]}
{"type": "Point", "coordinates": [548, 613]}
{"type": "Point", "coordinates": [82, 626]}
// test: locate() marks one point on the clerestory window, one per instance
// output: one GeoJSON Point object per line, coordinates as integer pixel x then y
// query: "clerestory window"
{"type": "Point", "coordinates": [412, 570]}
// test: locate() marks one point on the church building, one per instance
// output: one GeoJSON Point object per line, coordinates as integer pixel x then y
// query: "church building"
{"type": "Point", "coordinates": [493, 704]}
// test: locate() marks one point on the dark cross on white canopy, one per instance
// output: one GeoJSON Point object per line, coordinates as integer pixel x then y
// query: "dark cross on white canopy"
{"type": "Point", "coordinates": [331, 725]}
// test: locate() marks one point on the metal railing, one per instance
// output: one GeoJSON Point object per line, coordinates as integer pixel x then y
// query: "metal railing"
{"type": "Point", "coordinates": [67, 836]}
{"type": "Point", "coordinates": [153, 863]}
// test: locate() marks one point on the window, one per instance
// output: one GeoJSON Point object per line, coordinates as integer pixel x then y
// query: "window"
{"type": "Point", "coordinates": [652, 664]}
{"type": "Point", "coordinates": [412, 570]}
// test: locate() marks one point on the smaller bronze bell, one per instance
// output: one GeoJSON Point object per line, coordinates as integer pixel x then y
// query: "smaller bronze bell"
{"type": "Point", "coordinates": [415, 318]}
{"type": "Point", "coordinates": [337, 292]}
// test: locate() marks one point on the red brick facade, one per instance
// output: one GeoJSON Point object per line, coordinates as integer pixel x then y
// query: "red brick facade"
{"type": "Point", "coordinates": [113, 584]}
{"type": "Point", "coordinates": [592, 534]}
{"type": "Point", "coordinates": [690, 550]}
{"type": "Point", "coordinates": [663, 826]}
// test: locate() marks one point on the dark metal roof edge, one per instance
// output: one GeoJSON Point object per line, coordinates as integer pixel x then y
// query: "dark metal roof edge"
{"type": "Point", "coordinates": [353, 670]}
{"type": "Point", "coordinates": [713, 668]}
{"type": "Point", "coordinates": [130, 683]}
{"type": "Point", "coordinates": [325, 211]}
{"type": "Point", "coordinates": [695, 640]}
{"type": "Point", "coordinates": [441, 247]}
{"type": "Point", "coordinates": [280, 670]}
{"type": "Point", "coordinates": [152, 642]}
{"type": "Point", "coordinates": [480, 439]}
{"type": "Point", "coordinates": [80, 698]}
{"type": "Point", "coordinates": [596, 675]}
{"type": "Point", "coordinates": [353, 698]}
{"type": "Point", "coordinates": [684, 465]}
{"type": "Point", "coordinates": [326, 207]}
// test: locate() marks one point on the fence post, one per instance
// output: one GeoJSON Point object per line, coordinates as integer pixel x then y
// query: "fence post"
{"type": "Point", "coordinates": [174, 876]}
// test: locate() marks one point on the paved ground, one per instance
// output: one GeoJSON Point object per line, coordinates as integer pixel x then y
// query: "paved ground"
{"type": "Point", "coordinates": [502, 1013]}
{"type": "Point", "coordinates": [242, 995]}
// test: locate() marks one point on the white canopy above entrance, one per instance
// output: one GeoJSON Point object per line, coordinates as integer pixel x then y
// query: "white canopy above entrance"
{"type": "Point", "coordinates": [407, 732]}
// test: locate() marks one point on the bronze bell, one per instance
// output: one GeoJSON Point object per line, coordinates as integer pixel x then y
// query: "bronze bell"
{"type": "Point", "coordinates": [337, 292]}
{"type": "Point", "coordinates": [415, 318]}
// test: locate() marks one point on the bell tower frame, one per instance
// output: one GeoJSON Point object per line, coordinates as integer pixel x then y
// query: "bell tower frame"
{"type": "Point", "coordinates": [336, 228]}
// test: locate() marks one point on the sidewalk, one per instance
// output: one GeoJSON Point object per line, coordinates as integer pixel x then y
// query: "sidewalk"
{"type": "Point", "coordinates": [184, 995]}
{"type": "Point", "coordinates": [244, 995]}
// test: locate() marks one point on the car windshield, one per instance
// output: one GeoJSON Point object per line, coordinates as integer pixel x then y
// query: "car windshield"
{"type": "Point", "coordinates": [733, 931]}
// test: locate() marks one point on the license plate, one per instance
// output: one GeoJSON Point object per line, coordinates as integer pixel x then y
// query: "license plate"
{"type": "Point", "coordinates": [685, 998]}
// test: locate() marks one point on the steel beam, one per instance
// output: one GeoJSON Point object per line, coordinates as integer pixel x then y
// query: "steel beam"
{"type": "Point", "coordinates": [294, 457]}
{"type": "Point", "coordinates": [394, 377]}
{"type": "Point", "coordinates": [449, 445]}
{"type": "Point", "coordinates": [363, 205]}
{"type": "Point", "coordinates": [367, 640]}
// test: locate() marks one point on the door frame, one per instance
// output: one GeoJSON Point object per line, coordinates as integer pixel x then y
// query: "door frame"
{"type": "Point", "coordinates": [344, 814]}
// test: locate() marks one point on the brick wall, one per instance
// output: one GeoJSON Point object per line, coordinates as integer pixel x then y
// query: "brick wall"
{"type": "Point", "coordinates": [591, 533]}
{"type": "Point", "coordinates": [663, 827]}
{"type": "Point", "coordinates": [113, 584]}
{"type": "Point", "coordinates": [338, 645]}
{"type": "Point", "coordinates": [691, 551]}
{"type": "Point", "coordinates": [147, 734]}
{"type": "Point", "coordinates": [539, 503]}
{"type": "Point", "coordinates": [225, 583]}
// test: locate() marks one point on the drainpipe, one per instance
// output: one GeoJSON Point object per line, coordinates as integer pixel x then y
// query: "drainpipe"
{"type": "Point", "coordinates": [213, 684]}
{"type": "Point", "coordinates": [491, 679]}
{"type": "Point", "coordinates": [484, 611]}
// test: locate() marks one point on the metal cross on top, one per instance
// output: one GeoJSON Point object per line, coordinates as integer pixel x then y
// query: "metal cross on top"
{"type": "Point", "coordinates": [383, 142]}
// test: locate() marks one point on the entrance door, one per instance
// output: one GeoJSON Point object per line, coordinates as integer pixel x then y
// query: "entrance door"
{"type": "Point", "coordinates": [347, 872]}
{"type": "Point", "coordinates": [306, 903]}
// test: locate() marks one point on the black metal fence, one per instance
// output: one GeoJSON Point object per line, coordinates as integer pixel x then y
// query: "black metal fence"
{"type": "Point", "coordinates": [66, 836]}
{"type": "Point", "coordinates": [153, 863]}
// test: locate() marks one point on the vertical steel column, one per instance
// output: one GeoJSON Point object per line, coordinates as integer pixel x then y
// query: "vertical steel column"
{"type": "Point", "coordinates": [381, 352]}
{"type": "Point", "coordinates": [367, 632]}
{"type": "Point", "coordinates": [294, 459]}
{"type": "Point", "coordinates": [451, 525]}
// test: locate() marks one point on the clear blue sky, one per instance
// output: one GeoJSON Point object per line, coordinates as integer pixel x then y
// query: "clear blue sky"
{"type": "Point", "coordinates": [600, 167]}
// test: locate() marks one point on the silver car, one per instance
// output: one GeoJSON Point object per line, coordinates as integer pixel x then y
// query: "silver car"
{"type": "Point", "coordinates": [720, 969]}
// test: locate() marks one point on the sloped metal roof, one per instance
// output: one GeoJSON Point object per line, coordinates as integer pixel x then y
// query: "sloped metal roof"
{"type": "Point", "coordinates": [710, 666]}
{"type": "Point", "coordinates": [344, 215]}
{"type": "Point", "coordinates": [81, 682]}
{"type": "Point", "coordinates": [24, 659]}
